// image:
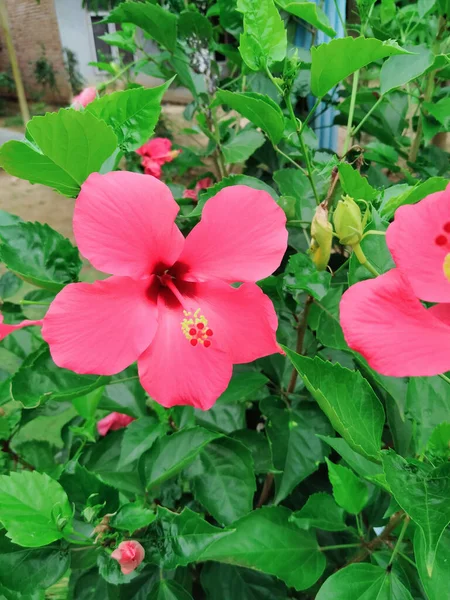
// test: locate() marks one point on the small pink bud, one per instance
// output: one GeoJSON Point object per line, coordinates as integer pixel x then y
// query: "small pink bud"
{"type": "Point", "coordinates": [87, 96]}
{"type": "Point", "coordinates": [129, 555]}
{"type": "Point", "coordinates": [113, 422]}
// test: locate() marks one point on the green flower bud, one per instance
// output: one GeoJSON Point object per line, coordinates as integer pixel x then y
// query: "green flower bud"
{"type": "Point", "coordinates": [348, 222]}
{"type": "Point", "coordinates": [322, 236]}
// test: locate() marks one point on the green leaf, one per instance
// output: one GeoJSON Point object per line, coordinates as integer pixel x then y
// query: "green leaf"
{"type": "Point", "coordinates": [172, 453]}
{"type": "Point", "coordinates": [243, 387]}
{"type": "Point", "coordinates": [40, 255]}
{"type": "Point", "coordinates": [111, 572]}
{"type": "Point", "coordinates": [440, 111]}
{"type": "Point", "coordinates": [436, 586]}
{"type": "Point", "coordinates": [258, 445]}
{"type": "Point", "coordinates": [132, 114]}
{"type": "Point", "coordinates": [192, 24]}
{"type": "Point", "coordinates": [296, 449]}
{"type": "Point", "coordinates": [439, 443]}
{"type": "Point", "coordinates": [45, 428]}
{"type": "Point", "coordinates": [132, 517]}
{"type": "Point", "coordinates": [10, 284]}
{"type": "Point", "coordinates": [223, 480]}
{"type": "Point", "coordinates": [180, 539]}
{"type": "Point", "coordinates": [412, 195]}
{"type": "Point", "coordinates": [264, 40]}
{"type": "Point", "coordinates": [226, 582]}
{"type": "Point", "coordinates": [159, 23]}
{"type": "Point", "coordinates": [424, 494]}
{"type": "Point", "coordinates": [260, 109]}
{"type": "Point", "coordinates": [302, 275]}
{"type": "Point", "coordinates": [354, 184]}
{"type": "Point", "coordinates": [309, 12]}
{"type": "Point", "coordinates": [320, 512]}
{"type": "Point", "coordinates": [348, 401]}
{"type": "Point", "coordinates": [125, 394]}
{"type": "Point", "coordinates": [226, 182]}
{"type": "Point", "coordinates": [39, 380]}
{"type": "Point", "coordinates": [139, 436]}
{"type": "Point", "coordinates": [169, 590]}
{"type": "Point", "coordinates": [364, 467]}
{"type": "Point", "coordinates": [333, 62]}
{"type": "Point", "coordinates": [240, 147]}
{"type": "Point", "coordinates": [25, 570]}
{"type": "Point", "coordinates": [229, 17]}
{"type": "Point", "coordinates": [80, 485]}
{"type": "Point", "coordinates": [428, 403]}
{"type": "Point", "coordinates": [34, 509]}
{"type": "Point", "coordinates": [366, 581]}
{"type": "Point", "coordinates": [399, 70]}
{"type": "Point", "coordinates": [424, 6]}
{"type": "Point", "coordinates": [225, 418]}
{"type": "Point", "coordinates": [61, 150]}
{"type": "Point", "coordinates": [294, 183]}
{"type": "Point", "coordinates": [348, 490]}
{"type": "Point", "coordinates": [265, 540]}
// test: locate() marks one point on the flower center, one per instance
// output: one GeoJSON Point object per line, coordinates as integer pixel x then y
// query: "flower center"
{"type": "Point", "coordinates": [195, 328]}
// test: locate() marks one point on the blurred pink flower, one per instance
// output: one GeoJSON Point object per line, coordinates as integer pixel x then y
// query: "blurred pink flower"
{"type": "Point", "coordinates": [155, 153]}
{"type": "Point", "coordinates": [384, 319]}
{"type": "Point", "coordinates": [113, 422]}
{"type": "Point", "coordinates": [169, 303]}
{"type": "Point", "coordinates": [129, 555]}
{"type": "Point", "coordinates": [203, 184]}
{"type": "Point", "coordinates": [87, 96]}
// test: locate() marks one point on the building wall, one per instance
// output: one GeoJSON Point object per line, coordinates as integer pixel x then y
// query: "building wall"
{"type": "Point", "coordinates": [34, 27]}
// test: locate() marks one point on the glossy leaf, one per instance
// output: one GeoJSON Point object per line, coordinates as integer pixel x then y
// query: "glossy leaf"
{"type": "Point", "coordinates": [436, 585]}
{"type": "Point", "coordinates": [302, 275]}
{"type": "Point", "coordinates": [61, 150]}
{"type": "Point", "coordinates": [348, 401]}
{"type": "Point", "coordinates": [424, 494]}
{"type": "Point", "coordinates": [412, 195]}
{"type": "Point", "coordinates": [260, 109]}
{"type": "Point", "coordinates": [240, 147]}
{"type": "Point", "coordinates": [34, 509]}
{"type": "Point", "coordinates": [354, 184]}
{"type": "Point", "coordinates": [40, 255]}
{"type": "Point", "coordinates": [132, 517]}
{"type": "Point", "coordinates": [226, 582]}
{"type": "Point", "coordinates": [348, 490]}
{"type": "Point", "coordinates": [399, 70]}
{"type": "Point", "coordinates": [223, 480]}
{"type": "Point", "coordinates": [243, 387]}
{"type": "Point", "coordinates": [139, 436]}
{"type": "Point", "coordinates": [169, 590]}
{"type": "Point", "coordinates": [320, 512]}
{"type": "Point", "coordinates": [333, 62]}
{"type": "Point", "coordinates": [309, 12]}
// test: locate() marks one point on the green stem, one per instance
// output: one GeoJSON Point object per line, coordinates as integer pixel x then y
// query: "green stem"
{"type": "Point", "coordinates": [444, 377]}
{"type": "Point", "coordinates": [31, 302]}
{"type": "Point", "coordinates": [359, 526]}
{"type": "Point", "coordinates": [351, 112]}
{"type": "Point", "coordinates": [310, 114]}
{"type": "Point", "coordinates": [123, 380]}
{"type": "Point", "coordinates": [338, 10]}
{"type": "Point", "coordinates": [338, 546]}
{"type": "Point", "coordinates": [105, 84]}
{"type": "Point", "coordinates": [366, 116]}
{"type": "Point", "coordinates": [399, 540]}
{"type": "Point", "coordinates": [363, 260]}
{"type": "Point", "coordinates": [277, 149]}
{"type": "Point", "coordinates": [403, 555]}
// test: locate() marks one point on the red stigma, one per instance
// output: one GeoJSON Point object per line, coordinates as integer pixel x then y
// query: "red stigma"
{"type": "Point", "coordinates": [447, 227]}
{"type": "Point", "coordinates": [194, 342]}
{"type": "Point", "coordinates": [209, 332]}
{"type": "Point", "coordinates": [441, 240]}
{"type": "Point", "coordinates": [192, 331]}
{"type": "Point", "coordinates": [207, 343]}
{"type": "Point", "coordinates": [200, 325]}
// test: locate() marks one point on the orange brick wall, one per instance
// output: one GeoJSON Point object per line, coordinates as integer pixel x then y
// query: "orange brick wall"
{"type": "Point", "coordinates": [34, 26]}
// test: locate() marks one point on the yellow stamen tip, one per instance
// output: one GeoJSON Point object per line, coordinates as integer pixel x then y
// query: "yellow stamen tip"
{"type": "Point", "coordinates": [446, 267]}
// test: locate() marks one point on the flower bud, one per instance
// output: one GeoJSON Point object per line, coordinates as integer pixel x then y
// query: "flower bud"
{"type": "Point", "coordinates": [113, 422]}
{"type": "Point", "coordinates": [322, 236]}
{"type": "Point", "coordinates": [129, 555]}
{"type": "Point", "coordinates": [348, 222]}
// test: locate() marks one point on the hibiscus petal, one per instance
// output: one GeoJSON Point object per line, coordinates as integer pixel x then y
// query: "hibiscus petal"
{"type": "Point", "coordinates": [124, 224]}
{"type": "Point", "coordinates": [176, 373]}
{"type": "Point", "coordinates": [243, 320]}
{"type": "Point", "coordinates": [6, 329]}
{"type": "Point", "coordinates": [102, 327]}
{"type": "Point", "coordinates": [242, 236]}
{"type": "Point", "coordinates": [384, 321]}
{"type": "Point", "coordinates": [419, 240]}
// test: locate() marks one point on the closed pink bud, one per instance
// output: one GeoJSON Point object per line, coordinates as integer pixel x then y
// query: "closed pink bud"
{"type": "Point", "coordinates": [129, 555]}
{"type": "Point", "coordinates": [113, 422]}
{"type": "Point", "coordinates": [87, 96]}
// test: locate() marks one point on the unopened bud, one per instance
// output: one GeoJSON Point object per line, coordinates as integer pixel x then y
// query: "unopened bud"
{"type": "Point", "coordinates": [322, 236]}
{"type": "Point", "coordinates": [348, 222]}
{"type": "Point", "coordinates": [129, 555]}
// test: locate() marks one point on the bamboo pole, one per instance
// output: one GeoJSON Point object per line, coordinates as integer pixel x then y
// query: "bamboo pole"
{"type": "Point", "coordinates": [4, 26]}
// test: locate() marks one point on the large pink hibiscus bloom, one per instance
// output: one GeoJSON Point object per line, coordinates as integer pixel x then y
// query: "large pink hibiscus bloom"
{"type": "Point", "coordinates": [383, 318]}
{"type": "Point", "coordinates": [169, 303]}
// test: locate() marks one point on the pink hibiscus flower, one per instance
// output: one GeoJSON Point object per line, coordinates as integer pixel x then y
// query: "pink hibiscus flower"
{"type": "Point", "coordinates": [383, 318]}
{"type": "Point", "coordinates": [129, 555]}
{"type": "Point", "coordinates": [113, 422]}
{"type": "Point", "coordinates": [6, 329]}
{"type": "Point", "coordinates": [169, 303]}
{"type": "Point", "coordinates": [155, 153]}
{"type": "Point", "coordinates": [87, 96]}
{"type": "Point", "coordinates": [202, 184]}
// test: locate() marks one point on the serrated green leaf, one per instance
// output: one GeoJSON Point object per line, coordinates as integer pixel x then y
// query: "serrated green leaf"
{"type": "Point", "coordinates": [309, 12]}
{"type": "Point", "coordinates": [440, 111]}
{"type": "Point", "coordinates": [192, 24]}
{"type": "Point", "coordinates": [333, 62]}
{"type": "Point", "coordinates": [61, 150]}
{"type": "Point", "coordinates": [399, 70]}
{"type": "Point", "coordinates": [348, 490]}
{"type": "Point", "coordinates": [412, 195]}
{"type": "Point", "coordinates": [364, 467]}
{"type": "Point", "coordinates": [424, 494]}
{"type": "Point", "coordinates": [139, 436]}
{"type": "Point", "coordinates": [320, 512]}
{"type": "Point", "coordinates": [302, 275]}
{"type": "Point", "coordinates": [223, 480]}
{"type": "Point", "coordinates": [132, 517]}
{"type": "Point", "coordinates": [240, 147]}
{"type": "Point", "coordinates": [348, 401]}
{"type": "Point", "coordinates": [266, 541]}
{"type": "Point", "coordinates": [132, 114]}
{"type": "Point", "coordinates": [436, 586]}
{"type": "Point", "coordinates": [40, 255]}
{"type": "Point", "coordinates": [354, 184]}
{"type": "Point", "coordinates": [260, 109]}
{"type": "Point", "coordinates": [172, 453]}
{"type": "Point", "coordinates": [34, 509]}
